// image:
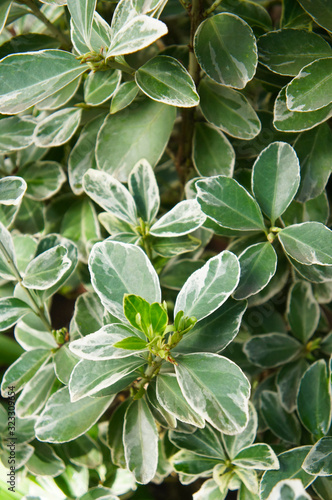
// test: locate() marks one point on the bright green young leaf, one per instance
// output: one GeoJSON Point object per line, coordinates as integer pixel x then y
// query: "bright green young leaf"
{"type": "Point", "coordinates": [204, 442]}
{"type": "Point", "coordinates": [228, 110]}
{"type": "Point", "coordinates": [131, 344]}
{"type": "Point", "coordinates": [314, 401]}
{"type": "Point", "coordinates": [82, 156]}
{"type": "Point", "coordinates": [140, 438]}
{"type": "Point", "coordinates": [213, 154]}
{"type": "Point", "coordinates": [36, 392]}
{"type": "Point", "coordinates": [16, 133]}
{"type": "Point", "coordinates": [272, 349]}
{"type": "Point", "coordinates": [26, 79]}
{"type": "Point", "coordinates": [123, 96]}
{"type": "Point", "coordinates": [24, 368]}
{"type": "Point", "coordinates": [45, 461]}
{"type": "Point", "coordinates": [136, 34]}
{"type": "Point", "coordinates": [303, 311]}
{"type": "Point", "coordinates": [59, 98]}
{"type": "Point", "coordinates": [226, 202]}
{"type": "Point", "coordinates": [82, 12]}
{"type": "Point", "coordinates": [63, 420]}
{"type": "Point", "coordinates": [139, 131]}
{"type": "Point", "coordinates": [258, 456]}
{"type": "Point", "coordinates": [184, 218]}
{"type": "Point", "coordinates": [89, 377]}
{"type": "Point", "coordinates": [275, 179]}
{"type": "Point", "coordinates": [286, 120]}
{"type": "Point", "coordinates": [258, 264]}
{"type": "Point", "coordinates": [286, 51]}
{"type": "Point", "coordinates": [100, 86]}
{"type": "Point", "coordinates": [209, 287]}
{"type": "Point", "coordinates": [118, 268]}
{"type": "Point", "coordinates": [284, 425]}
{"type": "Point", "coordinates": [215, 332]}
{"type": "Point", "coordinates": [311, 89]}
{"type": "Point", "coordinates": [164, 79]}
{"type": "Point", "coordinates": [288, 383]}
{"type": "Point", "coordinates": [137, 311]}
{"type": "Point", "coordinates": [320, 11]}
{"type": "Point", "coordinates": [291, 489]}
{"type": "Point", "coordinates": [319, 459]}
{"type": "Point", "coordinates": [47, 269]}
{"type": "Point", "coordinates": [57, 128]}
{"type": "Point", "coordinates": [11, 311]}
{"type": "Point", "coordinates": [111, 195]}
{"type": "Point", "coordinates": [170, 397]}
{"type": "Point", "coordinates": [144, 189]}
{"type": "Point", "coordinates": [314, 149]}
{"type": "Point", "coordinates": [225, 47]}
{"type": "Point", "coordinates": [216, 389]}
{"type": "Point", "coordinates": [12, 190]}
{"type": "Point", "coordinates": [308, 243]}
{"type": "Point", "coordinates": [44, 179]}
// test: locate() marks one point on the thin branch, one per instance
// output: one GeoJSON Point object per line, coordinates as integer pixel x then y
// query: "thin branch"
{"type": "Point", "coordinates": [213, 7]}
{"type": "Point", "coordinates": [61, 37]}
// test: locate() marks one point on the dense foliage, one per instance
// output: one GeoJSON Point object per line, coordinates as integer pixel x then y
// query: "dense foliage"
{"type": "Point", "coordinates": [163, 171]}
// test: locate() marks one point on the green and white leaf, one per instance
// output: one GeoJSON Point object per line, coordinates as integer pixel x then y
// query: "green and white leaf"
{"type": "Point", "coordinates": [21, 89]}
{"type": "Point", "coordinates": [319, 11]}
{"type": "Point", "coordinates": [276, 179]}
{"type": "Point", "coordinates": [258, 263]}
{"type": "Point", "coordinates": [314, 400]}
{"type": "Point", "coordinates": [226, 50]}
{"type": "Point", "coordinates": [57, 128]}
{"type": "Point", "coordinates": [111, 195]}
{"type": "Point", "coordinates": [319, 459]}
{"type": "Point", "coordinates": [82, 12]}
{"type": "Point", "coordinates": [140, 439]}
{"type": "Point", "coordinates": [258, 456]}
{"type": "Point", "coordinates": [44, 179]}
{"type": "Point", "coordinates": [144, 189]}
{"type": "Point", "coordinates": [118, 268]}
{"type": "Point", "coordinates": [289, 488]}
{"type": "Point", "coordinates": [308, 243]}
{"type": "Point", "coordinates": [11, 311]}
{"type": "Point", "coordinates": [170, 397]}
{"type": "Point", "coordinates": [272, 349]}
{"type": "Point", "coordinates": [123, 96]}
{"type": "Point", "coordinates": [228, 110]}
{"type": "Point", "coordinates": [16, 133]}
{"type": "Point", "coordinates": [36, 392]}
{"type": "Point", "coordinates": [141, 131]}
{"type": "Point", "coordinates": [311, 89]}
{"type": "Point", "coordinates": [63, 420]}
{"type": "Point", "coordinates": [23, 369]}
{"type": "Point", "coordinates": [209, 287]}
{"type": "Point", "coordinates": [89, 377]}
{"type": "Point", "coordinates": [213, 154]}
{"type": "Point", "coordinates": [100, 345]}
{"type": "Point", "coordinates": [286, 120]}
{"type": "Point", "coordinates": [164, 79]}
{"type": "Point", "coordinates": [59, 98]}
{"type": "Point", "coordinates": [216, 389]}
{"type": "Point", "coordinates": [184, 218]}
{"type": "Point", "coordinates": [283, 424]}
{"type": "Point", "coordinates": [7, 254]}
{"type": "Point", "coordinates": [47, 269]}
{"type": "Point", "coordinates": [226, 202]}
{"type": "Point", "coordinates": [44, 461]}
{"type": "Point", "coordinates": [303, 311]}
{"type": "Point", "coordinates": [12, 190]}
{"type": "Point", "coordinates": [204, 442]}
{"type": "Point", "coordinates": [287, 51]}
{"type": "Point", "coordinates": [100, 86]}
